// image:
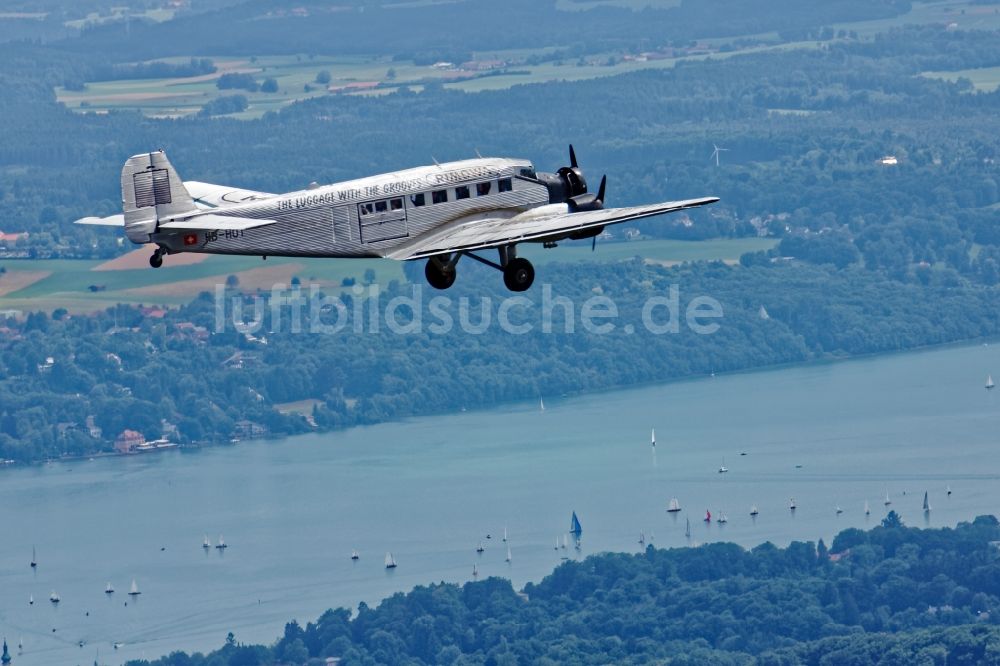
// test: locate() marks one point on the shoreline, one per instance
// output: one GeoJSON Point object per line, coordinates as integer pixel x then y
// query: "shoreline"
{"type": "Point", "coordinates": [824, 360]}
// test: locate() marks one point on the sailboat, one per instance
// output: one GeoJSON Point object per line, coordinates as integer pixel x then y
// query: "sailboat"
{"type": "Point", "coordinates": [642, 538]}
{"type": "Point", "coordinates": [687, 530]}
{"type": "Point", "coordinates": [868, 509]}
{"type": "Point", "coordinates": [557, 544]}
{"type": "Point", "coordinates": [839, 510]}
{"type": "Point", "coordinates": [574, 526]}
{"type": "Point", "coordinates": [754, 511]}
{"type": "Point", "coordinates": [927, 506]}
{"type": "Point", "coordinates": [541, 405]}
{"type": "Point", "coordinates": [222, 543]}
{"type": "Point", "coordinates": [887, 500]}
{"type": "Point", "coordinates": [206, 544]}
{"type": "Point", "coordinates": [480, 548]}
{"type": "Point", "coordinates": [791, 504]}
{"type": "Point", "coordinates": [505, 534]}
{"type": "Point", "coordinates": [509, 557]}
{"type": "Point", "coordinates": [565, 542]}
{"type": "Point", "coordinates": [54, 598]}
{"type": "Point", "coordinates": [475, 571]}
{"type": "Point", "coordinates": [949, 491]}
{"type": "Point", "coordinates": [34, 560]}
{"type": "Point", "coordinates": [133, 591]}
{"type": "Point", "coordinates": [674, 506]}
{"type": "Point", "coordinates": [722, 468]}
{"type": "Point", "coordinates": [989, 382]}
{"type": "Point", "coordinates": [652, 437]}
{"type": "Point", "coordinates": [109, 589]}
{"type": "Point", "coordinates": [708, 516]}
{"type": "Point", "coordinates": [355, 556]}
{"type": "Point", "coordinates": [390, 563]}
{"type": "Point", "coordinates": [722, 518]}
{"type": "Point", "coordinates": [31, 600]}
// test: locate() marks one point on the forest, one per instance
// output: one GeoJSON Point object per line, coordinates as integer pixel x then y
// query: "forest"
{"type": "Point", "coordinates": [128, 369]}
{"type": "Point", "coordinates": [892, 595]}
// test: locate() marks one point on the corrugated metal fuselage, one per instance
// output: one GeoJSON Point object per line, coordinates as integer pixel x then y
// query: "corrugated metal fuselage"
{"type": "Point", "coordinates": [372, 216]}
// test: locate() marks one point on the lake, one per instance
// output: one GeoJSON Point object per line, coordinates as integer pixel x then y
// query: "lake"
{"type": "Point", "coordinates": [430, 489]}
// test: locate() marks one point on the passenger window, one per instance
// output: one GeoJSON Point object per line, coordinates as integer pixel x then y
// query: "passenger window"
{"type": "Point", "coordinates": [462, 192]}
{"type": "Point", "coordinates": [366, 209]}
{"type": "Point", "coordinates": [380, 206]}
{"type": "Point", "coordinates": [395, 204]}
{"type": "Point", "coordinates": [505, 185]}
{"type": "Point", "coordinates": [439, 196]}
{"type": "Point", "coordinates": [482, 189]}
{"type": "Point", "coordinates": [417, 199]}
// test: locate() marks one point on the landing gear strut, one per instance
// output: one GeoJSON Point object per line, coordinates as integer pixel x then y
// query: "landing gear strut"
{"type": "Point", "coordinates": [518, 273]}
{"type": "Point", "coordinates": [156, 259]}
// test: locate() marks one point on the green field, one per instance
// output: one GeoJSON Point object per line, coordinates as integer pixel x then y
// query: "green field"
{"type": "Point", "coordinates": [69, 281]}
{"type": "Point", "coordinates": [986, 79]}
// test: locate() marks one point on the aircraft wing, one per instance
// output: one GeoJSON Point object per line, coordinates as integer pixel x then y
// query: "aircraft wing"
{"type": "Point", "coordinates": [207, 195]}
{"type": "Point", "coordinates": [531, 226]}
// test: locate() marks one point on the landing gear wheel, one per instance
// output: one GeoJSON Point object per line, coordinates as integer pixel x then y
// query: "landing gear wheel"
{"type": "Point", "coordinates": [437, 277]}
{"type": "Point", "coordinates": [156, 259]}
{"type": "Point", "coordinates": [518, 274]}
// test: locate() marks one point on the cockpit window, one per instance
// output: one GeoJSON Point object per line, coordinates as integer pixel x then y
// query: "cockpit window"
{"type": "Point", "coordinates": [528, 172]}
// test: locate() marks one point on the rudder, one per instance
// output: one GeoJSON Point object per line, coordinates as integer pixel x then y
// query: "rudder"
{"type": "Point", "coordinates": [151, 191]}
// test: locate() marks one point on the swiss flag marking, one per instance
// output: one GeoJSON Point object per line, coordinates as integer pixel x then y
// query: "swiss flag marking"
{"type": "Point", "coordinates": [191, 239]}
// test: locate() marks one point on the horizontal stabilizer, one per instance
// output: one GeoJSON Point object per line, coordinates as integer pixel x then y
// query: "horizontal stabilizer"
{"type": "Point", "coordinates": [112, 221]}
{"type": "Point", "coordinates": [214, 223]}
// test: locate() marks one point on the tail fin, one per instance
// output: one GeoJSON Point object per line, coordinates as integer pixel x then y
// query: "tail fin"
{"type": "Point", "coordinates": [151, 191]}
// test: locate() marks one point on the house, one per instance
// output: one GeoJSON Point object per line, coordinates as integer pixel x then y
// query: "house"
{"type": "Point", "coordinates": [246, 429]}
{"type": "Point", "coordinates": [128, 441]}
{"type": "Point", "coordinates": [93, 428]}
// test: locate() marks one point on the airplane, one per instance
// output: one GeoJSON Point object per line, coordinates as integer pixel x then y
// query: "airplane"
{"type": "Point", "coordinates": [440, 213]}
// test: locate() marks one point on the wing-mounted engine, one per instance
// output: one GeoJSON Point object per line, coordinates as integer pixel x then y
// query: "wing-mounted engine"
{"type": "Point", "coordinates": [568, 185]}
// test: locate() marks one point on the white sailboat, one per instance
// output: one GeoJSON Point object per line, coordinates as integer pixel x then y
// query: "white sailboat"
{"type": "Point", "coordinates": [109, 589]}
{"type": "Point", "coordinates": [674, 505]}
{"type": "Point", "coordinates": [509, 558]}
{"type": "Point", "coordinates": [54, 598]}
{"type": "Point", "coordinates": [390, 562]}
{"type": "Point", "coordinates": [927, 506]}
{"type": "Point", "coordinates": [791, 504]}
{"type": "Point", "coordinates": [949, 490]}
{"type": "Point", "coordinates": [887, 500]}
{"type": "Point", "coordinates": [205, 543]}
{"type": "Point", "coordinates": [722, 518]}
{"type": "Point", "coordinates": [480, 548]}
{"type": "Point", "coordinates": [652, 437]}
{"type": "Point", "coordinates": [642, 538]}
{"type": "Point", "coordinates": [475, 571]}
{"type": "Point", "coordinates": [31, 600]}
{"type": "Point", "coordinates": [355, 556]}
{"type": "Point", "coordinates": [989, 382]}
{"type": "Point", "coordinates": [133, 591]}
{"type": "Point", "coordinates": [565, 542]}
{"type": "Point", "coordinates": [222, 543]}
{"type": "Point", "coordinates": [557, 544]}
{"type": "Point", "coordinates": [754, 510]}
{"type": "Point", "coordinates": [34, 559]}
{"type": "Point", "coordinates": [505, 534]}
{"type": "Point", "coordinates": [868, 509]}
{"type": "Point", "coordinates": [541, 405]}
{"type": "Point", "coordinates": [722, 468]}
{"type": "Point", "coordinates": [838, 510]}
{"type": "Point", "coordinates": [687, 530]}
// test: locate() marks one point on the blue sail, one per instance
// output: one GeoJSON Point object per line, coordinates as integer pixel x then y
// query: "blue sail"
{"type": "Point", "coordinates": [574, 525]}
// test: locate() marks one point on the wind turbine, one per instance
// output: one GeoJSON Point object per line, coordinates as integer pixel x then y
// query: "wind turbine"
{"type": "Point", "coordinates": [715, 154]}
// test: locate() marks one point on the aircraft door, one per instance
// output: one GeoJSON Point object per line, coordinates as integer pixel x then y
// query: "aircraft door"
{"type": "Point", "coordinates": [382, 220]}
